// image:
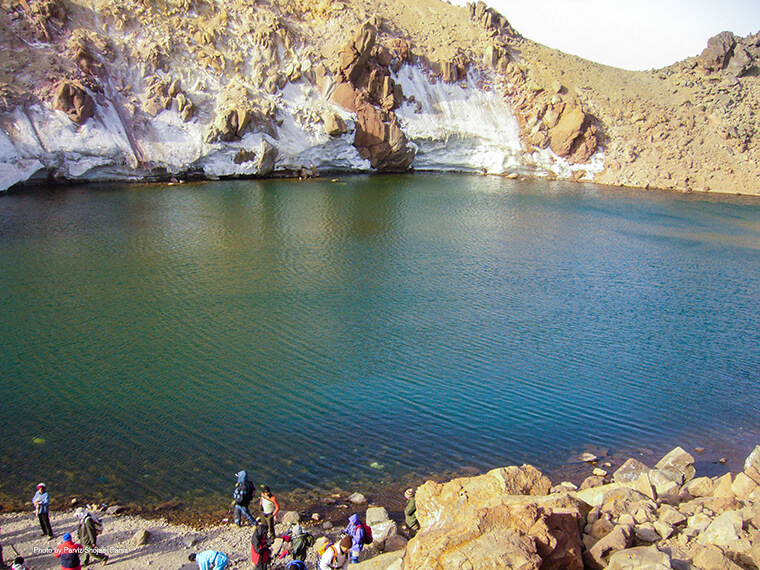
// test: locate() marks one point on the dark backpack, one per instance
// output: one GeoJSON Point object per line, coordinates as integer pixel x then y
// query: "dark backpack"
{"type": "Point", "coordinates": [300, 544]}
{"type": "Point", "coordinates": [243, 493]}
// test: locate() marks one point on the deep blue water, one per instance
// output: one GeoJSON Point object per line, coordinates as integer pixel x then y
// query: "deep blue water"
{"type": "Point", "coordinates": [349, 333]}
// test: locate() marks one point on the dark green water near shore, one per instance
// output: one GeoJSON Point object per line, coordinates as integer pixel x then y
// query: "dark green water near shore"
{"type": "Point", "coordinates": [157, 339]}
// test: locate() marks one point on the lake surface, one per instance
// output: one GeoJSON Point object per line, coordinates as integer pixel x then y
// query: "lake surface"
{"type": "Point", "coordinates": [156, 339]}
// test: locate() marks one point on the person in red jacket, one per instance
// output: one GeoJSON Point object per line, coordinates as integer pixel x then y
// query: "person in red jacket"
{"type": "Point", "coordinates": [261, 555]}
{"type": "Point", "coordinates": [68, 551]}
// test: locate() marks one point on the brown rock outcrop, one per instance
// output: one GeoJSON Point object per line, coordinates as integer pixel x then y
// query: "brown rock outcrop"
{"type": "Point", "coordinates": [72, 98]}
{"type": "Point", "coordinates": [379, 139]}
{"type": "Point", "coordinates": [718, 52]}
{"type": "Point", "coordinates": [502, 519]}
{"type": "Point", "coordinates": [563, 134]}
{"type": "Point", "coordinates": [367, 88]}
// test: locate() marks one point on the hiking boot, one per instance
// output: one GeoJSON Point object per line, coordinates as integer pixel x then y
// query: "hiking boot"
{"type": "Point", "coordinates": [105, 560]}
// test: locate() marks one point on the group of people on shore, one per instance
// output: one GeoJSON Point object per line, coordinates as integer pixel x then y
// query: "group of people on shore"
{"type": "Point", "coordinates": [68, 551]}
{"type": "Point", "coordinates": [295, 542]}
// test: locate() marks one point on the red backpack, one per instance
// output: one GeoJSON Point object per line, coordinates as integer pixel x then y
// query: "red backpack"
{"type": "Point", "coordinates": [367, 533]}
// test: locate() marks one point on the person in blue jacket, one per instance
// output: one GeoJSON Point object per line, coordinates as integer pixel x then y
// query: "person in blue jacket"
{"type": "Point", "coordinates": [243, 495]}
{"type": "Point", "coordinates": [209, 560]}
{"type": "Point", "coordinates": [41, 501]}
{"type": "Point", "coordinates": [355, 530]}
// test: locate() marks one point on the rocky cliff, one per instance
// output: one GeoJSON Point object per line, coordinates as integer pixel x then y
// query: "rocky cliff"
{"type": "Point", "coordinates": [155, 89]}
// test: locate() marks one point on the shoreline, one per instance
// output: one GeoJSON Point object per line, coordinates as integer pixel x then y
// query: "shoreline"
{"type": "Point", "coordinates": [333, 176]}
{"type": "Point", "coordinates": [332, 504]}
{"type": "Point", "coordinates": [169, 541]}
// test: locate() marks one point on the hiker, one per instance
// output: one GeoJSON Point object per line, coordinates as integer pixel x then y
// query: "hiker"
{"type": "Point", "coordinates": [261, 555]}
{"type": "Point", "coordinates": [243, 494]}
{"type": "Point", "coordinates": [269, 508]}
{"type": "Point", "coordinates": [68, 551]}
{"type": "Point", "coordinates": [209, 560]}
{"type": "Point", "coordinates": [410, 513]}
{"type": "Point", "coordinates": [358, 533]}
{"type": "Point", "coordinates": [336, 555]}
{"type": "Point", "coordinates": [296, 565]}
{"type": "Point", "coordinates": [298, 542]}
{"type": "Point", "coordinates": [18, 564]}
{"type": "Point", "coordinates": [41, 501]}
{"type": "Point", "coordinates": [88, 531]}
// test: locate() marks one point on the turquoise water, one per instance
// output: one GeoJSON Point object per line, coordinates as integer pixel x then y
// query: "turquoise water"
{"type": "Point", "coordinates": [157, 339]}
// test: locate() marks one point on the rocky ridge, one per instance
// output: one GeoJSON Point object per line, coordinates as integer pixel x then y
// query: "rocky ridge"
{"type": "Point", "coordinates": [153, 89]}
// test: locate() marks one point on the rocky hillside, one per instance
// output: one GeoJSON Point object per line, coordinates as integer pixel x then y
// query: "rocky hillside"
{"type": "Point", "coordinates": [155, 89]}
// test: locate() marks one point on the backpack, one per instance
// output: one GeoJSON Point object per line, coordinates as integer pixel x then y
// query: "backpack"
{"type": "Point", "coordinates": [322, 549]}
{"type": "Point", "coordinates": [243, 493]}
{"type": "Point", "coordinates": [97, 524]}
{"type": "Point", "coordinates": [367, 539]}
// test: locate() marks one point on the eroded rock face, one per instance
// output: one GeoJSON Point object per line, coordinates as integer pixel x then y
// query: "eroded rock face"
{"type": "Point", "coordinates": [379, 139]}
{"type": "Point", "coordinates": [72, 98]}
{"type": "Point", "coordinates": [367, 88]}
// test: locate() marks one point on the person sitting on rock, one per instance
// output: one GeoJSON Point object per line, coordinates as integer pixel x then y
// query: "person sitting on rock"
{"type": "Point", "coordinates": [296, 542]}
{"type": "Point", "coordinates": [336, 555]}
{"type": "Point", "coordinates": [209, 560]}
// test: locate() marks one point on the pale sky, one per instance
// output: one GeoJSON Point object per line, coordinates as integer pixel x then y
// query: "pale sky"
{"type": "Point", "coordinates": [635, 34]}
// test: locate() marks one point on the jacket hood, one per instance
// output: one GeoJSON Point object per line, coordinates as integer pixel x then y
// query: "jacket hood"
{"type": "Point", "coordinates": [261, 531]}
{"type": "Point", "coordinates": [242, 476]}
{"type": "Point", "coordinates": [354, 519]}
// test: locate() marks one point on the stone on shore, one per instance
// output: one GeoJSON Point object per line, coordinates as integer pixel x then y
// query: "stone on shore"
{"type": "Point", "coordinates": [357, 499]}
{"type": "Point", "coordinates": [290, 517]}
{"type": "Point", "coordinates": [141, 537]}
{"type": "Point", "coordinates": [679, 461]}
{"type": "Point", "coordinates": [376, 515]}
{"type": "Point", "coordinates": [752, 465]}
{"type": "Point", "coordinates": [630, 471]}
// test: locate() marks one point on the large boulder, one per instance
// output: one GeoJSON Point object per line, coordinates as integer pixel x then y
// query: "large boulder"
{"type": "Point", "coordinates": [718, 52]}
{"type": "Point", "coordinates": [679, 461]}
{"type": "Point", "coordinates": [502, 519]}
{"type": "Point", "coordinates": [564, 133]}
{"type": "Point", "coordinates": [630, 471]}
{"type": "Point", "coordinates": [380, 140]}
{"type": "Point", "coordinates": [267, 157]}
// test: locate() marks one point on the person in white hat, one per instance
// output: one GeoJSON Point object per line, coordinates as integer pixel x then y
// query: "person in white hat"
{"type": "Point", "coordinates": [41, 502]}
{"type": "Point", "coordinates": [88, 531]}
